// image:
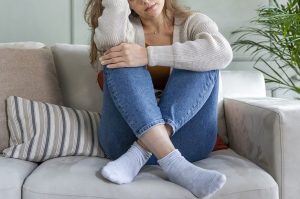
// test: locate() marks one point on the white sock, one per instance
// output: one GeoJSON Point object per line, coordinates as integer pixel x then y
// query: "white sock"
{"type": "Point", "coordinates": [201, 182]}
{"type": "Point", "coordinates": [126, 167]}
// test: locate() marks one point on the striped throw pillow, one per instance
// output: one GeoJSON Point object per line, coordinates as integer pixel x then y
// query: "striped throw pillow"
{"type": "Point", "coordinates": [41, 131]}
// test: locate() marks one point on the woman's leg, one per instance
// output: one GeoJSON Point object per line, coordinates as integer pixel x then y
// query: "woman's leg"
{"type": "Point", "coordinates": [186, 93]}
{"type": "Point", "coordinates": [190, 90]}
{"type": "Point", "coordinates": [189, 106]}
{"type": "Point", "coordinates": [132, 92]}
{"type": "Point", "coordinates": [129, 109]}
{"type": "Point", "coordinates": [199, 181]}
{"type": "Point", "coordinates": [114, 135]}
{"type": "Point", "coordinates": [118, 143]}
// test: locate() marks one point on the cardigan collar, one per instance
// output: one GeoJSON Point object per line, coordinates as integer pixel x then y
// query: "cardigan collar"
{"type": "Point", "coordinates": [139, 31]}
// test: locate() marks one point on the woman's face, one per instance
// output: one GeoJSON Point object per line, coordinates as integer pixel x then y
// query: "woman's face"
{"type": "Point", "coordinates": [147, 8]}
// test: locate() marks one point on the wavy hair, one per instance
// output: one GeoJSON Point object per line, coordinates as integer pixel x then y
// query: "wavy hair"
{"type": "Point", "coordinates": [94, 10]}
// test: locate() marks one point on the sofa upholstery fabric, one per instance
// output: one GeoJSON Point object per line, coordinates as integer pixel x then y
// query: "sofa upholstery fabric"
{"type": "Point", "coordinates": [13, 173]}
{"type": "Point", "coordinates": [28, 73]}
{"type": "Point", "coordinates": [77, 77]}
{"type": "Point", "coordinates": [78, 177]}
{"type": "Point", "coordinates": [57, 131]}
{"type": "Point", "coordinates": [267, 132]}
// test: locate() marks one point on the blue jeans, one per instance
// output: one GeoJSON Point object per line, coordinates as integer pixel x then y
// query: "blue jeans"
{"type": "Point", "coordinates": [188, 104]}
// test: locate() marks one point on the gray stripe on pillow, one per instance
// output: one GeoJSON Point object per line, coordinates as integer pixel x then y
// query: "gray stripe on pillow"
{"type": "Point", "coordinates": [86, 129]}
{"type": "Point", "coordinates": [13, 151]}
{"type": "Point", "coordinates": [97, 150]}
{"type": "Point", "coordinates": [18, 118]}
{"type": "Point", "coordinates": [56, 139]}
{"type": "Point", "coordinates": [41, 121]}
{"type": "Point", "coordinates": [13, 138]}
{"type": "Point", "coordinates": [92, 130]}
{"type": "Point", "coordinates": [71, 142]}
{"type": "Point", "coordinates": [78, 130]}
{"type": "Point", "coordinates": [63, 131]}
{"type": "Point", "coordinates": [81, 144]}
{"type": "Point", "coordinates": [34, 130]}
{"type": "Point", "coordinates": [18, 108]}
{"type": "Point", "coordinates": [48, 131]}
{"type": "Point", "coordinates": [20, 125]}
{"type": "Point", "coordinates": [12, 106]}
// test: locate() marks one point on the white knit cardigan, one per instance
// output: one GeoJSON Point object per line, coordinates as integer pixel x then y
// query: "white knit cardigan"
{"type": "Point", "coordinates": [197, 43]}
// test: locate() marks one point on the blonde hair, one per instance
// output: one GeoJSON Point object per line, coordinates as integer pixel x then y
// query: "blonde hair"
{"type": "Point", "coordinates": [94, 10]}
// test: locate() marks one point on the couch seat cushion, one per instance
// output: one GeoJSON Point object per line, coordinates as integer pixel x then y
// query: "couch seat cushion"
{"type": "Point", "coordinates": [78, 177]}
{"type": "Point", "coordinates": [12, 175]}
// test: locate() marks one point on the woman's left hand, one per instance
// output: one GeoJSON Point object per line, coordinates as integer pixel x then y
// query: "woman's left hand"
{"type": "Point", "coordinates": [125, 55]}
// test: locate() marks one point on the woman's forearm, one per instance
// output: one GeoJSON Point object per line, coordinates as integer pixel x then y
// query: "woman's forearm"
{"type": "Point", "coordinates": [206, 48]}
{"type": "Point", "coordinates": [208, 52]}
{"type": "Point", "coordinates": [114, 26]}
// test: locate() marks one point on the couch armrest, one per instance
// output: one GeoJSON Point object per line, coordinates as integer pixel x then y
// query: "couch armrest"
{"type": "Point", "coordinates": [267, 132]}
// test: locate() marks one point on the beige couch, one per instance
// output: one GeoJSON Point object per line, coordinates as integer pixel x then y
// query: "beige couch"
{"type": "Point", "coordinates": [261, 163]}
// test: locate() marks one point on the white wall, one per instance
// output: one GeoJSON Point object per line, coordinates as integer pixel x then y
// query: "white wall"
{"type": "Point", "coordinates": [46, 21]}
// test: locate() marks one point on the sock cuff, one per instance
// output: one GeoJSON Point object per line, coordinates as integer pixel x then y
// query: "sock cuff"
{"type": "Point", "coordinates": [170, 158]}
{"type": "Point", "coordinates": [141, 149]}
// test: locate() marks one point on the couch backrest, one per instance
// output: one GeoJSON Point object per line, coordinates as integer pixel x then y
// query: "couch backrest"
{"type": "Point", "coordinates": [78, 80]}
{"type": "Point", "coordinates": [77, 77]}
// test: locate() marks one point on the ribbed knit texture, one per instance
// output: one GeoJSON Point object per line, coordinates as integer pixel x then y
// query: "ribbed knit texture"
{"type": "Point", "coordinates": [126, 167]}
{"type": "Point", "coordinates": [201, 182]}
{"type": "Point", "coordinates": [197, 43]}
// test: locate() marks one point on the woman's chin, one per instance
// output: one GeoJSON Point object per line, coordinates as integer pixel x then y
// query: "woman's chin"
{"type": "Point", "coordinates": [153, 14]}
{"type": "Point", "coordinates": [156, 11]}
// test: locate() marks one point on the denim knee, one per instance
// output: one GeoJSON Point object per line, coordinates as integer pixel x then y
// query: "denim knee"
{"type": "Point", "coordinates": [133, 93]}
{"type": "Point", "coordinates": [185, 95]}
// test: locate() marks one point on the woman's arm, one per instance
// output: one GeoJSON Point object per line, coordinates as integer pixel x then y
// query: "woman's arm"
{"type": "Point", "coordinates": [114, 26]}
{"type": "Point", "coordinates": [206, 48]}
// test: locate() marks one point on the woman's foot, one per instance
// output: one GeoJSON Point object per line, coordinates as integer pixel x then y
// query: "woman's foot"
{"type": "Point", "coordinates": [126, 167]}
{"type": "Point", "coordinates": [201, 182]}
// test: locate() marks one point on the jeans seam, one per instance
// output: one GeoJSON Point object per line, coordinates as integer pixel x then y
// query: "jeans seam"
{"type": "Point", "coordinates": [191, 110]}
{"type": "Point", "coordinates": [172, 124]}
{"type": "Point", "coordinates": [144, 129]}
{"type": "Point", "coordinates": [114, 94]}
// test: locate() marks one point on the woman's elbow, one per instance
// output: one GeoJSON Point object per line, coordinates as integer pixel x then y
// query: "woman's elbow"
{"type": "Point", "coordinates": [227, 57]}
{"type": "Point", "coordinates": [106, 41]}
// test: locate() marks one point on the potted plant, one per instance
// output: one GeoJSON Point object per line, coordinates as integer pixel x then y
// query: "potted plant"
{"type": "Point", "coordinates": [278, 30]}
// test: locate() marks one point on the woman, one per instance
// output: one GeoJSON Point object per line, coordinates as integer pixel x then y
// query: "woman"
{"type": "Point", "coordinates": [135, 39]}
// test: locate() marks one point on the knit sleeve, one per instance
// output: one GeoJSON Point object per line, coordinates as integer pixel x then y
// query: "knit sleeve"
{"type": "Point", "coordinates": [205, 49]}
{"type": "Point", "coordinates": [114, 26]}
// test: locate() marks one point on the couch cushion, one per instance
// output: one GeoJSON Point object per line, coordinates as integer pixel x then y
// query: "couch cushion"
{"type": "Point", "coordinates": [12, 175]}
{"type": "Point", "coordinates": [78, 177]}
{"type": "Point", "coordinates": [77, 76]}
{"type": "Point", "coordinates": [41, 131]}
{"type": "Point", "coordinates": [28, 73]}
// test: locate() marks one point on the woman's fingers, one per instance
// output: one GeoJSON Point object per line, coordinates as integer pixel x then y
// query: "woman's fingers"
{"type": "Point", "coordinates": [117, 65]}
{"type": "Point", "coordinates": [112, 60]}
{"type": "Point", "coordinates": [125, 55]}
{"type": "Point", "coordinates": [111, 55]}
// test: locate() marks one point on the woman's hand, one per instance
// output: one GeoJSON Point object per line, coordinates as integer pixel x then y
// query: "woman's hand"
{"type": "Point", "coordinates": [125, 55]}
